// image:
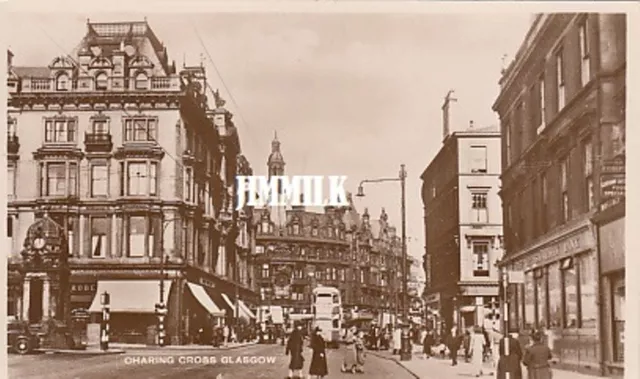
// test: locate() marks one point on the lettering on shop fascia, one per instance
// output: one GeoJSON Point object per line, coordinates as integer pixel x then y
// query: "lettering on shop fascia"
{"type": "Point", "coordinates": [85, 287]}
{"type": "Point", "coordinates": [207, 283]}
{"type": "Point", "coordinates": [568, 246]}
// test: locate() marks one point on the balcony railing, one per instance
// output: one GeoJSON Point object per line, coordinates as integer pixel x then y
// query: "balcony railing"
{"type": "Point", "coordinates": [98, 142]}
{"type": "Point", "coordinates": [13, 144]}
{"type": "Point", "coordinates": [88, 84]}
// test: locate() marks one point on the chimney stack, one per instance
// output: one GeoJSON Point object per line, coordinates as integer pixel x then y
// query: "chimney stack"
{"type": "Point", "coordinates": [449, 115]}
{"type": "Point", "coordinates": [9, 59]}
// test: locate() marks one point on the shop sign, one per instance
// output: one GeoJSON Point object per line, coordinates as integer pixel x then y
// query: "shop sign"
{"type": "Point", "coordinates": [568, 246]}
{"type": "Point", "coordinates": [83, 288]}
{"type": "Point", "coordinates": [612, 182]}
{"type": "Point", "coordinates": [207, 283]}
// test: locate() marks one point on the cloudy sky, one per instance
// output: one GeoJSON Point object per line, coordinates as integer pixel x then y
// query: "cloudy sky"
{"type": "Point", "coordinates": [349, 94]}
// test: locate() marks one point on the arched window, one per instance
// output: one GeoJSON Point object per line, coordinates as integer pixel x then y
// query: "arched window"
{"type": "Point", "coordinates": [62, 82]}
{"type": "Point", "coordinates": [101, 81]}
{"type": "Point", "coordinates": [142, 81]}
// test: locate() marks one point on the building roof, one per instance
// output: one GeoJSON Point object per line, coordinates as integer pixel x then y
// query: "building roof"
{"type": "Point", "coordinates": [31, 72]}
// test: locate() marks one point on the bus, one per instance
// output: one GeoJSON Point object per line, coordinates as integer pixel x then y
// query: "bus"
{"type": "Point", "coordinates": [326, 309]}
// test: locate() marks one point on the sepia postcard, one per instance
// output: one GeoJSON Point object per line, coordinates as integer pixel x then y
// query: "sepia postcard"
{"type": "Point", "coordinates": [318, 189]}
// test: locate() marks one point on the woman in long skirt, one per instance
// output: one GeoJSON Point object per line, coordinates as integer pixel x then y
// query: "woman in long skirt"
{"type": "Point", "coordinates": [318, 367]}
{"type": "Point", "coordinates": [477, 351]}
{"type": "Point", "coordinates": [294, 348]}
{"type": "Point", "coordinates": [360, 353]}
{"type": "Point", "coordinates": [350, 361]}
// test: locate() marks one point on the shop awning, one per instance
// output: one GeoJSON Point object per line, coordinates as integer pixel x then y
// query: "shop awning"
{"type": "Point", "coordinates": [277, 315]}
{"type": "Point", "coordinates": [300, 316]}
{"type": "Point", "coordinates": [205, 300]}
{"type": "Point", "coordinates": [245, 310]}
{"type": "Point", "coordinates": [228, 301]}
{"type": "Point", "coordinates": [468, 308]}
{"type": "Point", "coordinates": [132, 296]}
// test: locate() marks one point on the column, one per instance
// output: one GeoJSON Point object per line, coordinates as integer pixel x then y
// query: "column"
{"type": "Point", "coordinates": [46, 298]}
{"type": "Point", "coordinates": [114, 237]}
{"type": "Point", "coordinates": [80, 251]}
{"type": "Point", "coordinates": [26, 293]}
{"type": "Point", "coordinates": [479, 311]}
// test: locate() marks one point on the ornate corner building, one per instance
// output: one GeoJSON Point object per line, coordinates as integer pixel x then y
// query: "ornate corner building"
{"type": "Point", "coordinates": [298, 249]}
{"type": "Point", "coordinates": [562, 111]}
{"type": "Point", "coordinates": [122, 152]}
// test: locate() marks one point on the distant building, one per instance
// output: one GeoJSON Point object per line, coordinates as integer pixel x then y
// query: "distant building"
{"type": "Point", "coordinates": [562, 111]}
{"type": "Point", "coordinates": [117, 161]}
{"type": "Point", "coordinates": [298, 249]}
{"type": "Point", "coordinates": [463, 225]}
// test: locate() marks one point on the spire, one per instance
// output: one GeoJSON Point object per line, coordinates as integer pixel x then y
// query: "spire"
{"type": "Point", "coordinates": [275, 162]}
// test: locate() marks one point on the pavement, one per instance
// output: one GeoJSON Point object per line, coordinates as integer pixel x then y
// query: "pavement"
{"type": "Point", "coordinates": [432, 368]}
{"type": "Point", "coordinates": [121, 348]}
{"type": "Point", "coordinates": [248, 361]}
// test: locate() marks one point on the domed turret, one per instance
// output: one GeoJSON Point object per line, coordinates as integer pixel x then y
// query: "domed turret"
{"type": "Point", "coordinates": [275, 163]}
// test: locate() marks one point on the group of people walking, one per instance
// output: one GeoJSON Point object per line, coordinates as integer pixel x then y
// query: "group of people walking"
{"type": "Point", "coordinates": [476, 345]}
{"type": "Point", "coordinates": [294, 348]}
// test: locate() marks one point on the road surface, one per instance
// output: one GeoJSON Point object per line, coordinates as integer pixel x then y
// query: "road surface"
{"type": "Point", "coordinates": [255, 361]}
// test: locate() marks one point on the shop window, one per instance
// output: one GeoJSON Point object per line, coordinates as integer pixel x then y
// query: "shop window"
{"type": "Point", "coordinates": [618, 296]}
{"type": "Point", "coordinates": [555, 296]}
{"type": "Point", "coordinates": [570, 293]}
{"type": "Point", "coordinates": [588, 306]}
{"type": "Point", "coordinates": [529, 301]}
{"type": "Point", "coordinates": [541, 298]}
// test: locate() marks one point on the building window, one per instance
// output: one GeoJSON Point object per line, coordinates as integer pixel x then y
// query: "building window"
{"type": "Point", "coordinates": [11, 181]}
{"type": "Point", "coordinates": [618, 290]}
{"type": "Point", "coordinates": [100, 127]}
{"type": "Point", "coordinates": [314, 231]}
{"type": "Point", "coordinates": [142, 81]}
{"type": "Point", "coordinates": [588, 174]}
{"type": "Point", "coordinates": [507, 141]}
{"type": "Point", "coordinates": [99, 180]}
{"type": "Point", "coordinates": [588, 300]}
{"type": "Point", "coordinates": [555, 296]}
{"type": "Point", "coordinates": [585, 66]}
{"type": "Point", "coordinates": [140, 236]}
{"type": "Point", "coordinates": [62, 82]}
{"type": "Point", "coordinates": [541, 97]}
{"type": "Point", "coordinates": [296, 229]}
{"type": "Point", "coordinates": [480, 259]}
{"type": "Point", "coordinates": [545, 202]}
{"type": "Point", "coordinates": [570, 293]}
{"type": "Point", "coordinates": [478, 159]}
{"type": "Point", "coordinates": [59, 179]}
{"type": "Point", "coordinates": [479, 209]}
{"type": "Point", "coordinates": [140, 178]}
{"type": "Point", "coordinates": [541, 298]}
{"type": "Point", "coordinates": [188, 185]}
{"type": "Point", "coordinates": [560, 80]}
{"type": "Point", "coordinates": [529, 301]}
{"type": "Point", "coordinates": [140, 129]}
{"type": "Point", "coordinates": [564, 188]}
{"type": "Point", "coordinates": [99, 231]}
{"type": "Point", "coordinates": [101, 81]}
{"type": "Point", "coordinates": [60, 131]}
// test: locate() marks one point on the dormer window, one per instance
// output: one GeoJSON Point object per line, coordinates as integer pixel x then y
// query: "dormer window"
{"type": "Point", "coordinates": [62, 82]}
{"type": "Point", "coordinates": [142, 81]}
{"type": "Point", "coordinates": [101, 81]}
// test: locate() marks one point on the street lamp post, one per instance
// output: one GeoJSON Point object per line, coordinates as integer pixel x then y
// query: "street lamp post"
{"type": "Point", "coordinates": [405, 352]}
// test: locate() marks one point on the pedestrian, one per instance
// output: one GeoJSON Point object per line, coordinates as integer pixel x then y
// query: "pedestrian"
{"type": "Point", "coordinates": [487, 344]}
{"type": "Point", "coordinates": [318, 367]}
{"type": "Point", "coordinates": [477, 344]}
{"type": "Point", "coordinates": [427, 344]}
{"type": "Point", "coordinates": [294, 349]}
{"type": "Point", "coordinates": [453, 342]}
{"type": "Point", "coordinates": [397, 340]}
{"type": "Point", "coordinates": [360, 353]}
{"type": "Point", "coordinates": [510, 357]}
{"type": "Point", "coordinates": [225, 335]}
{"type": "Point", "coordinates": [536, 358]}
{"type": "Point", "coordinates": [349, 363]}
{"type": "Point", "coordinates": [466, 344]}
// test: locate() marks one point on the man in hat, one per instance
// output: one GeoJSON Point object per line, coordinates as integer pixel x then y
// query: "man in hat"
{"type": "Point", "coordinates": [510, 353]}
{"type": "Point", "coordinates": [294, 348]}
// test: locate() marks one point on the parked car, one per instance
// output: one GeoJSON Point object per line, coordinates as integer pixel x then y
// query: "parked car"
{"type": "Point", "coordinates": [19, 339]}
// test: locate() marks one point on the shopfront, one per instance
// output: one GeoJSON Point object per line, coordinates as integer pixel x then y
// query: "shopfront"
{"type": "Point", "coordinates": [612, 261]}
{"type": "Point", "coordinates": [558, 296]}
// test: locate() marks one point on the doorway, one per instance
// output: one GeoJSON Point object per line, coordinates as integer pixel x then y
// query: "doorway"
{"type": "Point", "coordinates": [35, 301]}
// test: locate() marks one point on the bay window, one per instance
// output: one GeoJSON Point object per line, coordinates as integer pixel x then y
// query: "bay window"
{"type": "Point", "coordinates": [58, 179]}
{"type": "Point", "coordinates": [60, 130]}
{"type": "Point", "coordinates": [140, 129]}
{"type": "Point", "coordinates": [138, 178]}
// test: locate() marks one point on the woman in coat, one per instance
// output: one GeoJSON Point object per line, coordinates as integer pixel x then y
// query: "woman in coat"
{"type": "Point", "coordinates": [318, 367]}
{"type": "Point", "coordinates": [466, 344]}
{"type": "Point", "coordinates": [427, 344]}
{"type": "Point", "coordinates": [360, 353]}
{"type": "Point", "coordinates": [350, 361]}
{"type": "Point", "coordinates": [477, 351]}
{"type": "Point", "coordinates": [396, 340]}
{"type": "Point", "coordinates": [536, 358]}
{"type": "Point", "coordinates": [510, 357]}
{"type": "Point", "coordinates": [294, 348]}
